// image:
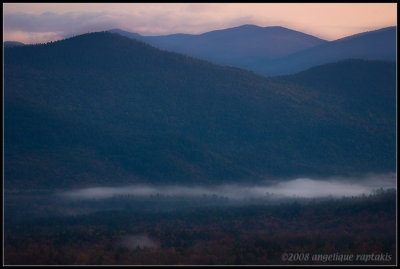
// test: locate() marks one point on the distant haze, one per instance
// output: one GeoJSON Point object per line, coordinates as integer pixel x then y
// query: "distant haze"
{"type": "Point", "coordinates": [43, 22]}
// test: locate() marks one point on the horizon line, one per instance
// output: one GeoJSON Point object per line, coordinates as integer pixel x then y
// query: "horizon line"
{"type": "Point", "coordinates": [247, 24]}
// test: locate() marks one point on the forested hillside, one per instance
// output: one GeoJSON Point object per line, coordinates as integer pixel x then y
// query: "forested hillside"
{"type": "Point", "coordinates": [102, 108]}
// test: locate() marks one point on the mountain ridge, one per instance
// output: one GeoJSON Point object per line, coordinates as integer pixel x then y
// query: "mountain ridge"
{"type": "Point", "coordinates": [237, 46]}
{"type": "Point", "coordinates": [276, 57]}
{"type": "Point", "coordinates": [372, 45]}
{"type": "Point", "coordinates": [145, 115]}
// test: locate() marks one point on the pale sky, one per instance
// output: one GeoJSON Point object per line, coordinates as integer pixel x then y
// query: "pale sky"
{"type": "Point", "coordinates": [43, 22]}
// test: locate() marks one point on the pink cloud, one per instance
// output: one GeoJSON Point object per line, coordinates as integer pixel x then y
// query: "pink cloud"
{"type": "Point", "coordinates": [328, 21]}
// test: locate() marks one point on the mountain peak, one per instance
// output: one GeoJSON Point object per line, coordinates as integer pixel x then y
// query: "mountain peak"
{"type": "Point", "coordinates": [246, 26]}
{"type": "Point", "coordinates": [251, 28]}
{"type": "Point", "coordinates": [242, 46]}
{"type": "Point", "coordinates": [123, 32]}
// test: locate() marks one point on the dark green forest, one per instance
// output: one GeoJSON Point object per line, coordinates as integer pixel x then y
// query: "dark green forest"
{"type": "Point", "coordinates": [101, 108]}
{"type": "Point", "coordinates": [251, 234]}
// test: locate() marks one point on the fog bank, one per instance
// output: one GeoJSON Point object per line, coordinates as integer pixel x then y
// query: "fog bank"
{"type": "Point", "coordinates": [299, 187]}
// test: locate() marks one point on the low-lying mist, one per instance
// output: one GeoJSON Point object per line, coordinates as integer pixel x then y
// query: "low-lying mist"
{"type": "Point", "coordinates": [138, 241]}
{"type": "Point", "coordinates": [334, 187]}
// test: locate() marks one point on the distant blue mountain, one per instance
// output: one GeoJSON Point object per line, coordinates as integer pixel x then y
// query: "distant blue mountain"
{"type": "Point", "coordinates": [245, 46]}
{"type": "Point", "coordinates": [12, 44]}
{"type": "Point", "coordinates": [274, 50]}
{"type": "Point", "coordinates": [373, 45]}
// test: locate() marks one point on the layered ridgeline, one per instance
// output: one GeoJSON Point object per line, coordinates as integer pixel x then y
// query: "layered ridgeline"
{"type": "Point", "coordinates": [247, 46]}
{"type": "Point", "coordinates": [373, 45]}
{"type": "Point", "coordinates": [275, 50]}
{"type": "Point", "coordinates": [101, 108]}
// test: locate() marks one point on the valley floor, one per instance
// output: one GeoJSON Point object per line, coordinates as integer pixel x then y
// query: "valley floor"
{"type": "Point", "coordinates": [316, 232]}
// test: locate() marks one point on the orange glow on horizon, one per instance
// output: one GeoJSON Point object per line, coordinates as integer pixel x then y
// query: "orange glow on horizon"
{"type": "Point", "coordinates": [325, 20]}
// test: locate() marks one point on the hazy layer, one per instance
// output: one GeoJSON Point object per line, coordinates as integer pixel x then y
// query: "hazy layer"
{"type": "Point", "coordinates": [299, 187]}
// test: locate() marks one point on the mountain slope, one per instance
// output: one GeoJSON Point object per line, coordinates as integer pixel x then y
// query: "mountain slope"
{"type": "Point", "coordinates": [246, 46]}
{"type": "Point", "coordinates": [104, 109]}
{"type": "Point", "coordinates": [361, 88]}
{"type": "Point", "coordinates": [373, 45]}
